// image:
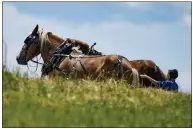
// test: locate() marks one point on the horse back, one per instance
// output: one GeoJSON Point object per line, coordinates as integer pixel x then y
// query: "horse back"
{"type": "Point", "coordinates": [149, 68]}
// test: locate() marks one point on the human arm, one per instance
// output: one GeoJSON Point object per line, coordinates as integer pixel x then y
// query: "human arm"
{"type": "Point", "coordinates": [167, 84]}
{"type": "Point", "coordinates": [150, 79]}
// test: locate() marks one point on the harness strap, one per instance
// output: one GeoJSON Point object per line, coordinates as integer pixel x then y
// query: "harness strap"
{"type": "Point", "coordinates": [37, 62]}
{"type": "Point", "coordinates": [120, 58]}
{"type": "Point", "coordinates": [82, 66]}
{"type": "Point", "coordinates": [120, 68]}
{"type": "Point", "coordinates": [73, 67]}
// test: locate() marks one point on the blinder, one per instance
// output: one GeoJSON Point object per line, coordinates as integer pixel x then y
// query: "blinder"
{"type": "Point", "coordinates": [29, 40]}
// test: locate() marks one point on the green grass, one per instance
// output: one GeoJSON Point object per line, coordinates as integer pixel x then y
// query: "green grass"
{"type": "Point", "coordinates": [85, 103]}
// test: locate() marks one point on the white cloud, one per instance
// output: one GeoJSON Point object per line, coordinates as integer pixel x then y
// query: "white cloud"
{"type": "Point", "coordinates": [187, 20]}
{"type": "Point", "coordinates": [133, 4]}
{"type": "Point", "coordinates": [186, 6]}
{"type": "Point", "coordinates": [139, 5]}
{"type": "Point", "coordinates": [117, 37]}
{"type": "Point", "coordinates": [186, 17]}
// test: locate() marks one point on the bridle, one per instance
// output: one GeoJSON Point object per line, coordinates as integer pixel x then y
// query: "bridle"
{"type": "Point", "coordinates": [28, 44]}
{"type": "Point", "coordinates": [37, 62]}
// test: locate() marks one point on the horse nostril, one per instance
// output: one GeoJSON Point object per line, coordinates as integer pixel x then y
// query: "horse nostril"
{"type": "Point", "coordinates": [19, 61]}
{"type": "Point", "coordinates": [17, 58]}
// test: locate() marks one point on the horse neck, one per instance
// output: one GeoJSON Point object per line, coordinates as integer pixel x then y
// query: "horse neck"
{"type": "Point", "coordinates": [49, 45]}
{"type": "Point", "coordinates": [52, 38]}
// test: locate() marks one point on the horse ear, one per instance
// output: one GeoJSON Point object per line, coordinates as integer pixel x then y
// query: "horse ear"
{"type": "Point", "coordinates": [35, 30]}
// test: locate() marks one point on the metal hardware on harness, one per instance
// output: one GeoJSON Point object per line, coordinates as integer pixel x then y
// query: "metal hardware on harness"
{"type": "Point", "coordinates": [64, 48]}
{"type": "Point", "coordinates": [79, 57]}
{"type": "Point", "coordinates": [73, 67]}
{"type": "Point", "coordinates": [91, 48]}
{"type": "Point", "coordinates": [71, 72]}
{"type": "Point", "coordinates": [120, 58]}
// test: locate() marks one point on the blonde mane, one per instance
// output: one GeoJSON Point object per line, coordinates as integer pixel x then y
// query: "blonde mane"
{"type": "Point", "coordinates": [44, 39]}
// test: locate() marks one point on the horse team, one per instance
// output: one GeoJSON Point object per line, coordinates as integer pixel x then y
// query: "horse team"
{"type": "Point", "coordinates": [75, 59]}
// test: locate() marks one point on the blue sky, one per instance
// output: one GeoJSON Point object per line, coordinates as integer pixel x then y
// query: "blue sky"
{"type": "Point", "coordinates": [159, 31]}
{"type": "Point", "coordinates": [104, 11]}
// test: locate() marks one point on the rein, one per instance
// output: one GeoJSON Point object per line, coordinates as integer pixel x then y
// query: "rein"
{"type": "Point", "coordinates": [37, 62]}
{"type": "Point", "coordinates": [77, 56]}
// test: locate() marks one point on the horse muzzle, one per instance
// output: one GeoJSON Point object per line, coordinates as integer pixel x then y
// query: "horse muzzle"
{"type": "Point", "coordinates": [21, 61]}
{"type": "Point", "coordinates": [21, 58]}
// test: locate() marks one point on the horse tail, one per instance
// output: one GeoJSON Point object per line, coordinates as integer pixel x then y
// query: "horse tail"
{"type": "Point", "coordinates": [135, 81]}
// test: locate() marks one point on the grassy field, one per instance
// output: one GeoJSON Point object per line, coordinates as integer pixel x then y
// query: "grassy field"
{"type": "Point", "coordinates": [85, 103]}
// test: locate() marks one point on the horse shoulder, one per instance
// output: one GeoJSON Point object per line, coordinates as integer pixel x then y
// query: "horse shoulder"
{"type": "Point", "coordinates": [65, 63]}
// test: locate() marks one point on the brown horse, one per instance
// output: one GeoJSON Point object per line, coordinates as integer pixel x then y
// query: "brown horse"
{"type": "Point", "coordinates": [79, 65]}
{"type": "Point", "coordinates": [149, 68]}
{"type": "Point", "coordinates": [47, 42]}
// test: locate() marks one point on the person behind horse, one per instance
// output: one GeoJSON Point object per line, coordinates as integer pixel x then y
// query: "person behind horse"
{"type": "Point", "coordinates": [169, 84]}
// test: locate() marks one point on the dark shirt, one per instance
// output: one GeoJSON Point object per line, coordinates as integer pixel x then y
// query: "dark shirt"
{"type": "Point", "coordinates": [168, 84]}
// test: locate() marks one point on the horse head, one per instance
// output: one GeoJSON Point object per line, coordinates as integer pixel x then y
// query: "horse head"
{"type": "Point", "coordinates": [30, 47]}
{"type": "Point", "coordinates": [38, 42]}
